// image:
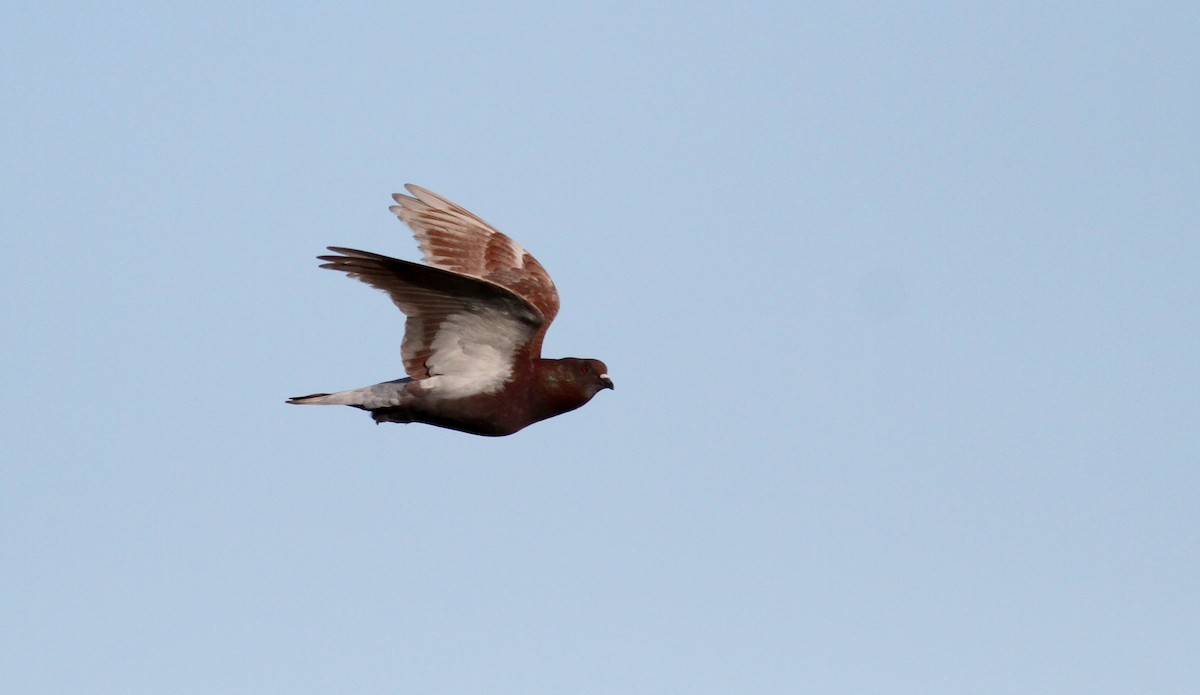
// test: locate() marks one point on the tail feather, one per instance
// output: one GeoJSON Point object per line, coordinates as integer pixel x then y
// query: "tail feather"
{"type": "Point", "coordinates": [340, 398]}
{"type": "Point", "coordinates": [387, 394]}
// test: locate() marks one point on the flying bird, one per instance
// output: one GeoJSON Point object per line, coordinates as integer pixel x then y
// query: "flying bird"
{"type": "Point", "coordinates": [477, 313]}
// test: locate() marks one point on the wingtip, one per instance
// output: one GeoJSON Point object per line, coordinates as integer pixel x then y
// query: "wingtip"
{"type": "Point", "coordinates": [342, 261]}
{"type": "Point", "coordinates": [422, 195]}
{"type": "Point", "coordinates": [329, 259]}
{"type": "Point", "coordinates": [416, 194]}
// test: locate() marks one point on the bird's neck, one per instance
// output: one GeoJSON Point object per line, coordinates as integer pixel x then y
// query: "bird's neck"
{"type": "Point", "coordinates": [557, 389]}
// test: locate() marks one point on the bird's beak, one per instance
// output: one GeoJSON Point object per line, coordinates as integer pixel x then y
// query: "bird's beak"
{"type": "Point", "coordinates": [606, 381]}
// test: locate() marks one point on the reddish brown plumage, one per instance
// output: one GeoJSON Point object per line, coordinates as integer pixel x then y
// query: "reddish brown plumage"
{"type": "Point", "coordinates": [530, 397]}
{"type": "Point", "coordinates": [477, 313]}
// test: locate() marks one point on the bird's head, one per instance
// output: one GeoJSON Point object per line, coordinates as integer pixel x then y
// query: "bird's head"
{"type": "Point", "coordinates": [584, 376]}
{"type": "Point", "coordinates": [594, 373]}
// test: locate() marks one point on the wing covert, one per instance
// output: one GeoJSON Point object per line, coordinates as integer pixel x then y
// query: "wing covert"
{"type": "Point", "coordinates": [462, 327]}
{"type": "Point", "coordinates": [453, 238]}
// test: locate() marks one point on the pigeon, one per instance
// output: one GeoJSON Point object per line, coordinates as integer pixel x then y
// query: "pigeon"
{"type": "Point", "coordinates": [477, 313]}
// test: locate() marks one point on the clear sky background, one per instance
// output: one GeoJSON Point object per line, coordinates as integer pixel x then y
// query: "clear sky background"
{"type": "Point", "coordinates": [901, 300]}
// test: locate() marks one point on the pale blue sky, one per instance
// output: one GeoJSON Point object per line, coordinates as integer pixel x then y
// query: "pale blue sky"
{"type": "Point", "coordinates": [901, 301]}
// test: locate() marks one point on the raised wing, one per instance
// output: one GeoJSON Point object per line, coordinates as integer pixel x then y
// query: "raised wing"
{"type": "Point", "coordinates": [453, 239]}
{"type": "Point", "coordinates": [465, 331]}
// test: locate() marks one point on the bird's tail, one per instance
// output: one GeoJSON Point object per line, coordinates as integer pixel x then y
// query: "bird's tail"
{"type": "Point", "coordinates": [352, 397]}
{"type": "Point", "coordinates": [389, 393]}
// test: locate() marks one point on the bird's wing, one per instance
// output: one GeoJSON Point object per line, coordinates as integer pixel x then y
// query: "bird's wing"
{"type": "Point", "coordinates": [466, 329]}
{"type": "Point", "coordinates": [451, 238]}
